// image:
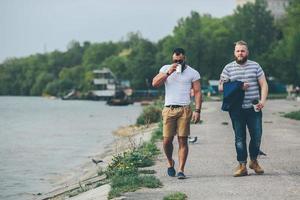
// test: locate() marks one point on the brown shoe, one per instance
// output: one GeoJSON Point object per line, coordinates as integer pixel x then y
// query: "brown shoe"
{"type": "Point", "coordinates": [255, 166]}
{"type": "Point", "coordinates": [241, 170]}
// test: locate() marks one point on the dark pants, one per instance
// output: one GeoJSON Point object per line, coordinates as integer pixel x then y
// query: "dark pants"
{"type": "Point", "coordinates": [253, 120]}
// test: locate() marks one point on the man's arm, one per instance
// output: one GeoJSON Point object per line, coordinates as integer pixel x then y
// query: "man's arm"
{"type": "Point", "coordinates": [264, 91]}
{"type": "Point", "coordinates": [196, 85]}
{"type": "Point", "coordinates": [220, 87]}
{"type": "Point", "coordinates": [160, 78]}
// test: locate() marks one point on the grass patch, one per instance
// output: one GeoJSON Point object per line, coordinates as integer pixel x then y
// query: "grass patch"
{"type": "Point", "coordinates": [277, 96]}
{"type": "Point", "coordinates": [293, 115]}
{"type": "Point", "coordinates": [176, 196]}
{"type": "Point", "coordinates": [121, 184]}
{"type": "Point", "coordinates": [124, 173]}
{"type": "Point", "coordinates": [150, 114]}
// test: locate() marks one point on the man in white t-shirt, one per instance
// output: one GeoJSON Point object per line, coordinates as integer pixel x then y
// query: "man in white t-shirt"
{"type": "Point", "coordinates": [178, 79]}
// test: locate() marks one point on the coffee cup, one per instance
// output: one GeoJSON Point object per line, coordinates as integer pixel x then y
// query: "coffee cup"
{"type": "Point", "coordinates": [178, 68]}
{"type": "Point", "coordinates": [255, 105]}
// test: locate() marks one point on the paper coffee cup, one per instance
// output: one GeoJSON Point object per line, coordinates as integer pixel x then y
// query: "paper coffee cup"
{"type": "Point", "coordinates": [255, 104]}
{"type": "Point", "coordinates": [178, 68]}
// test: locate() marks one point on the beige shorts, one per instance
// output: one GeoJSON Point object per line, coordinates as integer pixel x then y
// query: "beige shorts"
{"type": "Point", "coordinates": [176, 121]}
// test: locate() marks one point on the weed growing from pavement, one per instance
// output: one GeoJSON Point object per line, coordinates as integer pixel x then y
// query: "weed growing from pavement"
{"type": "Point", "coordinates": [124, 170]}
{"type": "Point", "coordinates": [293, 115]}
{"type": "Point", "coordinates": [176, 196]}
{"type": "Point", "coordinates": [124, 174]}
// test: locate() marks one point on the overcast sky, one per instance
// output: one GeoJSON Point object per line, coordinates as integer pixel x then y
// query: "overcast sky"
{"type": "Point", "coordinates": [33, 26]}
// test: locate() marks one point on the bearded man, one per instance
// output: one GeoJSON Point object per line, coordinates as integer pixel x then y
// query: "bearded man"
{"type": "Point", "coordinates": [247, 115]}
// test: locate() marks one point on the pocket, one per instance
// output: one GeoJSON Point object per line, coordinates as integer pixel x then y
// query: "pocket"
{"type": "Point", "coordinates": [164, 111]}
{"type": "Point", "coordinates": [188, 113]}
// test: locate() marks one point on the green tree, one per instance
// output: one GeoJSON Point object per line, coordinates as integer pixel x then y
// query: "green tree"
{"type": "Point", "coordinates": [41, 81]}
{"type": "Point", "coordinates": [56, 61]}
{"type": "Point", "coordinates": [95, 54]}
{"type": "Point", "coordinates": [283, 59]}
{"type": "Point", "coordinates": [59, 87]}
{"type": "Point", "coordinates": [207, 40]}
{"type": "Point", "coordinates": [187, 34]}
{"type": "Point", "coordinates": [141, 62]}
{"type": "Point", "coordinates": [74, 54]}
{"type": "Point", "coordinates": [74, 77]}
{"type": "Point", "coordinates": [118, 65]}
{"type": "Point", "coordinates": [254, 24]}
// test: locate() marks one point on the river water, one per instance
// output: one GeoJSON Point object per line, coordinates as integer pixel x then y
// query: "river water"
{"type": "Point", "coordinates": [41, 138]}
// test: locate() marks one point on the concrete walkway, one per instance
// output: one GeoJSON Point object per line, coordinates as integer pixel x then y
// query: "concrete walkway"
{"type": "Point", "coordinates": [212, 161]}
{"type": "Point", "coordinates": [94, 194]}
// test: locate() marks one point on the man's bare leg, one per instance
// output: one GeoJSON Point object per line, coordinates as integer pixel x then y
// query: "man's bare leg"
{"type": "Point", "coordinates": [182, 152]}
{"type": "Point", "coordinates": [168, 148]}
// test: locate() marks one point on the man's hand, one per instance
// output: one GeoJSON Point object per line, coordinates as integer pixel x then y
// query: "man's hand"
{"type": "Point", "coordinates": [172, 68]}
{"type": "Point", "coordinates": [264, 92]}
{"type": "Point", "coordinates": [195, 117]}
{"type": "Point", "coordinates": [260, 105]}
{"type": "Point", "coordinates": [160, 78]}
{"type": "Point", "coordinates": [246, 86]}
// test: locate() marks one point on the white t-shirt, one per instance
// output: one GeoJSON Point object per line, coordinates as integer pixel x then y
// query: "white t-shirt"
{"type": "Point", "coordinates": [178, 85]}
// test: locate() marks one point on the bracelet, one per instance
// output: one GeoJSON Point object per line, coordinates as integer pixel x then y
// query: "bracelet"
{"type": "Point", "coordinates": [197, 111]}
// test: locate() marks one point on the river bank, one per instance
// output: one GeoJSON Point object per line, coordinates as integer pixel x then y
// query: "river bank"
{"type": "Point", "coordinates": [125, 137]}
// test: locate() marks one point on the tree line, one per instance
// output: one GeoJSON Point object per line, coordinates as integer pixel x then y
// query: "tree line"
{"type": "Point", "coordinates": [208, 42]}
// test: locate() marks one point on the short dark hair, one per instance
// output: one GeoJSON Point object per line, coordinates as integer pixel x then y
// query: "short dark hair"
{"type": "Point", "coordinates": [179, 51]}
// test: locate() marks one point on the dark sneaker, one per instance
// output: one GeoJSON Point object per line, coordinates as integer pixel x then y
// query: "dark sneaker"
{"type": "Point", "coordinates": [171, 170]}
{"type": "Point", "coordinates": [181, 175]}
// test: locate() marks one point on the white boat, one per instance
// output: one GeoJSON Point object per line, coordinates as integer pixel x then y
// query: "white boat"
{"type": "Point", "coordinates": [105, 84]}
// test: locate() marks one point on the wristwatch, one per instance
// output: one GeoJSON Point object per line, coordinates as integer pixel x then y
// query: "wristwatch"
{"type": "Point", "coordinates": [197, 111]}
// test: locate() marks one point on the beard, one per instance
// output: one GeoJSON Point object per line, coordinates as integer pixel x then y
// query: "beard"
{"type": "Point", "coordinates": [241, 61]}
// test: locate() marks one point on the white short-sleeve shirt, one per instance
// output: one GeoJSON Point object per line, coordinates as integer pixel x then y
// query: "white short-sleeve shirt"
{"type": "Point", "coordinates": [178, 85]}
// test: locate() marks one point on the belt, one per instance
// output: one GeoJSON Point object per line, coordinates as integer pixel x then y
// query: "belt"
{"type": "Point", "coordinates": [174, 106]}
